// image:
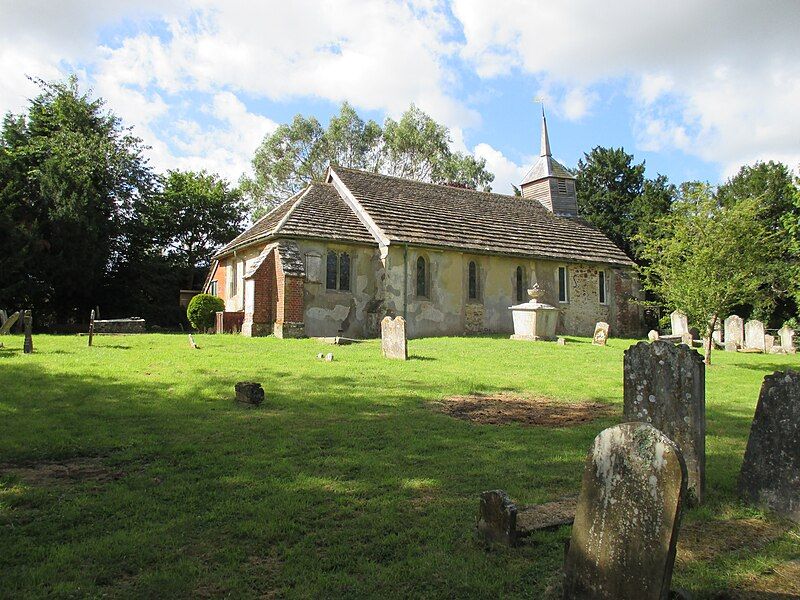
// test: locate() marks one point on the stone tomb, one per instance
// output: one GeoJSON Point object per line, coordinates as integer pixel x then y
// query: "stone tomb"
{"type": "Point", "coordinates": [600, 337]}
{"type": "Point", "coordinates": [679, 322]}
{"type": "Point", "coordinates": [664, 385]}
{"type": "Point", "coordinates": [770, 475]}
{"type": "Point", "coordinates": [734, 330]}
{"type": "Point", "coordinates": [754, 335]}
{"type": "Point", "coordinates": [626, 524]}
{"type": "Point", "coordinates": [394, 343]}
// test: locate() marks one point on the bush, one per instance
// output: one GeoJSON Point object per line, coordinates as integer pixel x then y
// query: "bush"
{"type": "Point", "coordinates": [202, 311]}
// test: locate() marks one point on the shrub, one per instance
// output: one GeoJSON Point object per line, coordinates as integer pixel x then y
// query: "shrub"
{"type": "Point", "coordinates": [202, 311]}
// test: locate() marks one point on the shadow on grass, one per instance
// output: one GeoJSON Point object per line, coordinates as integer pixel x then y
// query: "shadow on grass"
{"type": "Point", "coordinates": [769, 368]}
{"type": "Point", "coordinates": [421, 358]}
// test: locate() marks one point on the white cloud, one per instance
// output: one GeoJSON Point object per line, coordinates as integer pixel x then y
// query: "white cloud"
{"type": "Point", "coordinates": [506, 172]}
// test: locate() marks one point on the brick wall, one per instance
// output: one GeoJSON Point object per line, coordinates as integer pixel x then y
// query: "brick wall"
{"type": "Point", "coordinates": [220, 277]}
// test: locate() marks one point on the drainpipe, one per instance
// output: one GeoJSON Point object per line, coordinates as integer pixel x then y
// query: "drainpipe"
{"type": "Point", "coordinates": [405, 283]}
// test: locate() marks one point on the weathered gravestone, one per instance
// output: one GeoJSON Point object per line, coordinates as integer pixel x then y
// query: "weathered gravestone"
{"type": "Point", "coordinates": [91, 327]}
{"type": "Point", "coordinates": [770, 474]}
{"type": "Point", "coordinates": [27, 320]}
{"type": "Point", "coordinates": [626, 524]}
{"type": "Point", "coordinates": [679, 322]}
{"type": "Point", "coordinates": [665, 385]}
{"type": "Point", "coordinates": [249, 392]}
{"type": "Point", "coordinates": [653, 335]}
{"type": "Point", "coordinates": [731, 346]}
{"type": "Point", "coordinates": [394, 343]}
{"type": "Point", "coordinates": [734, 330]}
{"type": "Point", "coordinates": [754, 335]}
{"type": "Point", "coordinates": [600, 337]}
{"type": "Point", "coordinates": [769, 343]}
{"type": "Point", "coordinates": [9, 323]}
{"type": "Point", "coordinates": [717, 332]}
{"type": "Point", "coordinates": [497, 519]}
{"type": "Point", "coordinates": [787, 339]}
{"type": "Point", "coordinates": [687, 338]}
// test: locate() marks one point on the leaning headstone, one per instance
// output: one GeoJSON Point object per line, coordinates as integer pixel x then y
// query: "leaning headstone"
{"type": "Point", "coordinates": [679, 322]}
{"type": "Point", "coordinates": [770, 474]}
{"type": "Point", "coordinates": [665, 386]}
{"type": "Point", "coordinates": [600, 336]}
{"type": "Point", "coordinates": [787, 339]}
{"type": "Point", "coordinates": [769, 342]}
{"type": "Point", "coordinates": [192, 343]}
{"type": "Point", "coordinates": [653, 335]}
{"type": "Point", "coordinates": [497, 519]}
{"type": "Point", "coordinates": [394, 343]}
{"type": "Point", "coordinates": [626, 524]}
{"type": "Point", "coordinates": [754, 335]}
{"type": "Point", "coordinates": [249, 392]}
{"type": "Point", "coordinates": [734, 330]}
{"type": "Point", "coordinates": [27, 319]}
{"type": "Point", "coordinates": [9, 323]}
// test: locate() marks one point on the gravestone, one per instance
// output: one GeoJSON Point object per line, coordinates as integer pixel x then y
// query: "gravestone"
{"type": "Point", "coordinates": [626, 525]}
{"type": "Point", "coordinates": [561, 341]}
{"type": "Point", "coordinates": [600, 336]}
{"type": "Point", "coordinates": [329, 357]}
{"type": "Point", "coordinates": [27, 320]}
{"type": "Point", "coordinates": [653, 335]}
{"type": "Point", "coordinates": [497, 519]}
{"type": "Point", "coordinates": [9, 323]}
{"type": "Point", "coordinates": [731, 346]}
{"type": "Point", "coordinates": [91, 327]}
{"type": "Point", "coordinates": [249, 392]}
{"type": "Point", "coordinates": [769, 343]}
{"type": "Point", "coordinates": [734, 330]}
{"type": "Point", "coordinates": [394, 343]}
{"type": "Point", "coordinates": [754, 335]}
{"type": "Point", "coordinates": [770, 474]}
{"type": "Point", "coordinates": [664, 385]}
{"type": "Point", "coordinates": [717, 333]}
{"type": "Point", "coordinates": [3, 317]}
{"type": "Point", "coordinates": [679, 322]}
{"type": "Point", "coordinates": [192, 344]}
{"type": "Point", "coordinates": [787, 339]}
{"type": "Point", "coordinates": [686, 338]}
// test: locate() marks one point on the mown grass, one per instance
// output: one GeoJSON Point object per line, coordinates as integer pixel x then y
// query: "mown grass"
{"type": "Point", "coordinates": [343, 483]}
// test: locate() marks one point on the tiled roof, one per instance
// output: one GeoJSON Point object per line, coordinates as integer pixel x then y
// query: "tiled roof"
{"type": "Point", "coordinates": [317, 212]}
{"type": "Point", "coordinates": [288, 254]}
{"type": "Point", "coordinates": [418, 213]}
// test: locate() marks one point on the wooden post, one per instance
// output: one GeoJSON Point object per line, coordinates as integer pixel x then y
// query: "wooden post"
{"type": "Point", "coordinates": [91, 327]}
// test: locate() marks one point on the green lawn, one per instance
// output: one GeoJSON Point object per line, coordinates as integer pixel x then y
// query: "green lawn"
{"type": "Point", "coordinates": [344, 483]}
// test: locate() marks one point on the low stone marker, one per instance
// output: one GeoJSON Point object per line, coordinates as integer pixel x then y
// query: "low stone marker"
{"type": "Point", "coordinates": [770, 475]}
{"type": "Point", "coordinates": [731, 346]}
{"type": "Point", "coordinates": [249, 392]}
{"type": "Point", "coordinates": [27, 320]}
{"type": "Point", "coordinates": [786, 335]}
{"type": "Point", "coordinates": [628, 516]}
{"type": "Point", "coordinates": [664, 385]}
{"type": "Point", "coordinates": [769, 343]}
{"type": "Point", "coordinates": [9, 323]}
{"type": "Point", "coordinates": [734, 330]}
{"type": "Point", "coordinates": [652, 336]}
{"type": "Point", "coordinates": [192, 343]}
{"type": "Point", "coordinates": [679, 322]}
{"type": "Point", "coordinates": [394, 343]}
{"type": "Point", "coordinates": [754, 335]}
{"type": "Point", "coordinates": [329, 357]}
{"type": "Point", "coordinates": [687, 338]}
{"type": "Point", "coordinates": [561, 341]}
{"type": "Point", "coordinates": [600, 336]}
{"type": "Point", "coordinates": [501, 521]}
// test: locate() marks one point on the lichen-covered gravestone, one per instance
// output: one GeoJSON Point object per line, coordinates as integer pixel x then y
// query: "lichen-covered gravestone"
{"type": "Point", "coordinates": [679, 322]}
{"type": "Point", "coordinates": [27, 320]}
{"type": "Point", "coordinates": [770, 474]}
{"type": "Point", "coordinates": [394, 343]}
{"type": "Point", "coordinates": [734, 330]}
{"type": "Point", "coordinates": [600, 337]}
{"type": "Point", "coordinates": [754, 335]}
{"type": "Point", "coordinates": [665, 386]}
{"type": "Point", "coordinates": [249, 392]}
{"type": "Point", "coordinates": [497, 519]}
{"type": "Point", "coordinates": [626, 524]}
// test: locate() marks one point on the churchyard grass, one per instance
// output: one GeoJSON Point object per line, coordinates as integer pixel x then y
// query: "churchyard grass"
{"type": "Point", "coordinates": [127, 469]}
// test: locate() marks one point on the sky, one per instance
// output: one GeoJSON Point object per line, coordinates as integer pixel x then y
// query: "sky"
{"type": "Point", "coordinates": [695, 89]}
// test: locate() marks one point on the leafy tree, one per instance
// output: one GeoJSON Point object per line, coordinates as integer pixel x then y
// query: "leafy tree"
{"type": "Point", "coordinates": [202, 311]}
{"type": "Point", "coordinates": [706, 258]}
{"type": "Point", "coordinates": [416, 147]}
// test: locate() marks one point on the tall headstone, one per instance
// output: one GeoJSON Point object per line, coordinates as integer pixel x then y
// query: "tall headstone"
{"type": "Point", "coordinates": [787, 339]}
{"type": "Point", "coordinates": [754, 335]}
{"type": "Point", "coordinates": [679, 322]}
{"type": "Point", "coordinates": [394, 343]}
{"type": "Point", "coordinates": [626, 525]}
{"type": "Point", "coordinates": [717, 332]}
{"type": "Point", "coordinates": [734, 330]}
{"type": "Point", "coordinates": [9, 323]}
{"type": "Point", "coordinates": [600, 337]}
{"type": "Point", "coordinates": [665, 386]}
{"type": "Point", "coordinates": [27, 320]}
{"type": "Point", "coordinates": [770, 474]}
{"type": "Point", "coordinates": [91, 327]}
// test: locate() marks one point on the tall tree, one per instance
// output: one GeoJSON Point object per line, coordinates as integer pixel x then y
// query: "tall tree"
{"type": "Point", "coordinates": [706, 258]}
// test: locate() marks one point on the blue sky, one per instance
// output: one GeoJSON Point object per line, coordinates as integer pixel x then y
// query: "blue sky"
{"type": "Point", "coordinates": [695, 89]}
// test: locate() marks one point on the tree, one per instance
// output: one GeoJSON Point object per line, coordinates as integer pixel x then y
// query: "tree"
{"type": "Point", "coordinates": [70, 172]}
{"type": "Point", "coordinates": [192, 215]}
{"type": "Point", "coordinates": [706, 258]}
{"type": "Point", "coordinates": [416, 147]}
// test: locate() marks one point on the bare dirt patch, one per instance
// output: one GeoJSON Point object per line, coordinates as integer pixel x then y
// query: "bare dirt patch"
{"type": "Point", "coordinates": [707, 540]}
{"type": "Point", "coordinates": [49, 473]}
{"type": "Point", "coordinates": [504, 408]}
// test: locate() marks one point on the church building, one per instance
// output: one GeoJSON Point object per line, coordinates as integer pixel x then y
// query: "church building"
{"type": "Point", "coordinates": [343, 253]}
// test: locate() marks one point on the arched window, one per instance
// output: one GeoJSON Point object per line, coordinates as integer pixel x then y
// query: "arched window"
{"type": "Point", "coordinates": [344, 271]}
{"type": "Point", "coordinates": [422, 277]}
{"type": "Point", "coordinates": [332, 268]}
{"type": "Point", "coordinates": [520, 284]}
{"type": "Point", "coordinates": [473, 280]}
